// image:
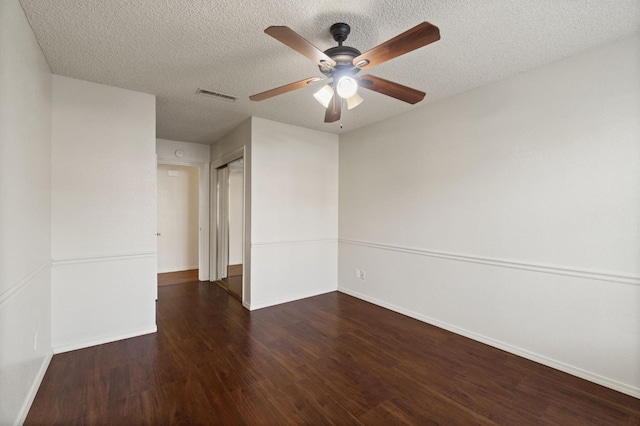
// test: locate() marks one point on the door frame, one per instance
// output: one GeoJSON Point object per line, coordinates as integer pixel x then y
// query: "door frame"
{"type": "Point", "coordinates": [203, 212]}
{"type": "Point", "coordinates": [222, 217]}
{"type": "Point", "coordinates": [213, 252]}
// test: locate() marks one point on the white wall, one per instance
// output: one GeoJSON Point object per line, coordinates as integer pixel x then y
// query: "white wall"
{"type": "Point", "coordinates": [509, 214]}
{"type": "Point", "coordinates": [294, 219]}
{"type": "Point", "coordinates": [103, 214]}
{"type": "Point", "coordinates": [194, 154]}
{"type": "Point", "coordinates": [25, 214]}
{"type": "Point", "coordinates": [238, 138]}
{"type": "Point", "coordinates": [178, 215]}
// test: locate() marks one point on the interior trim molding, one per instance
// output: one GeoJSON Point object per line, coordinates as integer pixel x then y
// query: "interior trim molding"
{"type": "Point", "coordinates": [188, 163]}
{"type": "Point", "coordinates": [550, 362]}
{"type": "Point", "coordinates": [616, 277]}
{"type": "Point", "coordinates": [103, 339]}
{"type": "Point", "coordinates": [178, 269]}
{"type": "Point", "coordinates": [31, 396]}
{"type": "Point", "coordinates": [61, 261]}
{"type": "Point", "coordinates": [294, 242]}
{"type": "Point", "coordinates": [227, 158]}
{"type": "Point", "coordinates": [6, 295]}
{"type": "Point", "coordinates": [291, 298]}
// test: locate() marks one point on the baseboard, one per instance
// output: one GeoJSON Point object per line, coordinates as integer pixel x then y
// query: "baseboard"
{"type": "Point", "coordinates": [31, 396]}
{"type": "Point", "coordinates": [179, 269]}
{"type": "Point", "coordinates": [279, 301]}
{"type": "Point", "coordinates": [549, 362]}
{"type": "Point", "coordinates": [102, 340]}
{"type": "Point", "coordinates": [234, 270]}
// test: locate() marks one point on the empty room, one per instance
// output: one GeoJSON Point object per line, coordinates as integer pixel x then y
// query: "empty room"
{"type": "Point", "coordinates": [369, 212]}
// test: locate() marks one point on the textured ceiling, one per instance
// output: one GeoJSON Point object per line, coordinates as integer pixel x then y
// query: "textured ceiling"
{"type": "Point", "coordinates": [169, 48]}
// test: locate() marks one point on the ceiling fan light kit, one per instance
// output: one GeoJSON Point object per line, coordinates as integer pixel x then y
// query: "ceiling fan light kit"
{"type": "Point", "coordinates": [354, 101]}
{"type": "Point", "coordinates": [346, 87]}
{"type": "Point", "coordinates": [340, 64]}
{"type": "Point", "coordinates": [324, 95]}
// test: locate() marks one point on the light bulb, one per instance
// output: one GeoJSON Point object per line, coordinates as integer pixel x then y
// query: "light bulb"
{"type": "Point", "coordinates": [324, 95]}
{"type": "Point", "coordinates": [346, 87]}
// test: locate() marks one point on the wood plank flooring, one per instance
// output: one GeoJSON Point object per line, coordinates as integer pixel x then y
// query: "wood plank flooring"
{"type": "Point", "coordinates": [330, 359]}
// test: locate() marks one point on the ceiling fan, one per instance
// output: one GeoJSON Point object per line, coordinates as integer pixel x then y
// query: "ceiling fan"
{"type": "Point", "coordinates": [340, 65]}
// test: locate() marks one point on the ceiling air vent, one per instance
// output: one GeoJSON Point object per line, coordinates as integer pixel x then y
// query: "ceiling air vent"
{"type": "Point", "coordinates": [211, 93]}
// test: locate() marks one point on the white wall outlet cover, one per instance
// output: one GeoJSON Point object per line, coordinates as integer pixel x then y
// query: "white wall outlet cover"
{"type": "Point", "coordinates": [179, 153]}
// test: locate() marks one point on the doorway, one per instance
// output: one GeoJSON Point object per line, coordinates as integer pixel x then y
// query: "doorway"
{"type": "Point", "coordinates": [229, 226]}
{"type": "Point", "coordinates": [178, 229]}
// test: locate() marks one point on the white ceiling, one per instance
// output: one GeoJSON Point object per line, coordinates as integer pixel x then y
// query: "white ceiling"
{"type": "Point", "coordinates": [169, 48]}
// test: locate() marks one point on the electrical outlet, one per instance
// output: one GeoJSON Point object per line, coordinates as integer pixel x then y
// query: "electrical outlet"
{"type": "Point", "coordinates": [35, 341]}
{"type": "Point", "coordinates": [358, 273]}
{"type": "Point", "coordinates": [362, 274]}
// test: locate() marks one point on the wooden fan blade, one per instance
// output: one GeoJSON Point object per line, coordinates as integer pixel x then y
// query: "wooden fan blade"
{"type": "Point", "coordinates": [389, 88]}
{"type": "Point", "coordinates": [284, 89]}
{"type": "Point", "coordinates": [334, 110]}
{"type": "Point", "coordinates": [295, 41]}
{"type": "Point", "coordinates": [416, 37]}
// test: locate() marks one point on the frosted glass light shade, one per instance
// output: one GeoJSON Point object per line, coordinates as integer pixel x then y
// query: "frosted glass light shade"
{"type": "Point", "coordinates": [354, 101]}
{"type": "Point", "coordinates": [346, 87]}
{"type": "Point", "coordinates": [324, 95]}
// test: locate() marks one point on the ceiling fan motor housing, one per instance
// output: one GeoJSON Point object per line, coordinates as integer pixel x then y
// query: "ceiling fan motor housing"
{"type": "Point", "coordinates": [342, 55]}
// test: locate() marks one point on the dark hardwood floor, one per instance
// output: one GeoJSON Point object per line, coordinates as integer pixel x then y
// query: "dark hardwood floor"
{"type": "Point", "coordinates": [322, 360]}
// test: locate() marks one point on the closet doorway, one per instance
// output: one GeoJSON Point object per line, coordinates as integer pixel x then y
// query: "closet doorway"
{"type": "Point", "coordinates": [229, 226]}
